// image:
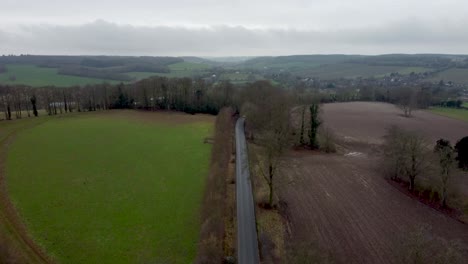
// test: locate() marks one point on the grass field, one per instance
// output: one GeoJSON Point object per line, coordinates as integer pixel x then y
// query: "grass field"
{"type": "Point", "coordinates": [179, 70]}
{"type": "Point", "coordinates": [37, 76]}
{"type": "Point", "coordinates": [454, 75]}
{"type": "Point", "coordinates": [461, 114]}
{"type": "Point", "coordinates": [112, 188]}
{"type": "Point", "coordinates": [353, 70]}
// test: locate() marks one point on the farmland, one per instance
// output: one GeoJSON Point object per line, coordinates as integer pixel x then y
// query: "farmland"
{"type": "Point", "coordinates": [461, 114]}
{"type": "Point", "coordinates": [342, 204]}
{"type": "Point", "coordinates": [185, 69]}
{"type": "Point", "coordinates": [350, 70]}
{"type": "Point", "coordinates": [36, 76]}
{"type": "Point", "coordinates": [456, 75]}
{"type": "Point", "coordinates": [334, 66]}
{"type": "Point", "coordinates": [90, 196]}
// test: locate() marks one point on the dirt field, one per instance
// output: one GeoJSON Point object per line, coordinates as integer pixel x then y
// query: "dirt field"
{"type": "Point", "coordinates": [342, 202]}
{"type": "Point", "coordinates": [366, 122]}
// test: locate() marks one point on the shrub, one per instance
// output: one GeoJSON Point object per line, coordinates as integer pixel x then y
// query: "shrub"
{"type": "Point", "coordinates": [327, 140]}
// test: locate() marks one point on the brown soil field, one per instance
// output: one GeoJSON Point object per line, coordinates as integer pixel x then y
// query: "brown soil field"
{"type": "Point", "coordinates": [342, 202]}
{"type": "Point", "coordinates": [367, 122]}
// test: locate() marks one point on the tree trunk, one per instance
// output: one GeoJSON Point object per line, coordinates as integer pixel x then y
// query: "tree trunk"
{"type": "Point", "coordinates": [411, 187]}
{"type": "Point", "coordinates": [35, 110]}
{"type": "Point", "coordinates": [8, 112]}
{"type": "Point", "coordinates": [27, 110]}
{"type": "Point", "coordinates": [444, 197]}
{"type": "Point", "coordinates": [270, 185]}
{"type": "Point", "coordinates": [65, 102]}
{"type": "Point", "coordinates": [302, 142]}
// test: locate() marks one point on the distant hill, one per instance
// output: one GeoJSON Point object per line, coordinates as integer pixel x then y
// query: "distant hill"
{"type": "Point", "coordinates": [353, 66]}
{"type": "Point", "coordinates": [81, 70]}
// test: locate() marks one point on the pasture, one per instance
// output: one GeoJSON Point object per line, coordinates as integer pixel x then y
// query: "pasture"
{"type": "Point", "coordinates": [37, 76]}
{"type": "Point", "coordinates": [177, 70]}
{"type": "Point", "coordinates": [342, 204]}
{"type": "Point", "coordinates": [456, 75]}
{"type": "Point", "coordinates": [113, 187]}
{"type": "Point", "coordinates": [353, 70]}
{"type": "Point", "coordinates": [461, 114]}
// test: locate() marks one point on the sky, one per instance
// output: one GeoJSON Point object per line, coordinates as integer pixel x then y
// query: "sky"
{"type": "Point", "coordinates": [232, 28]}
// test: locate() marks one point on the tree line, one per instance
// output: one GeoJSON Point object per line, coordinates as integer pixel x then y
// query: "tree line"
{"type": "Point", "coordinates": [157, 93]}
{"type": "Point", "coordinates": [408, 155]}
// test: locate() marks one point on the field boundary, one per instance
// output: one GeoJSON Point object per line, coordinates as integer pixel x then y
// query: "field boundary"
{"type": "Point", "coordinates": [451, 212]}
{"type": "Point", "coordinates": [217, 210]}
{"type": "Point", "coordinates": [433, 110]}
{"type": "Point", "coordinates": [10, 217]}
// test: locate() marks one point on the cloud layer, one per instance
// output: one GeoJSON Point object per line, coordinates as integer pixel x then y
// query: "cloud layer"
{"type": "Point", "coordinates": [106, 38]}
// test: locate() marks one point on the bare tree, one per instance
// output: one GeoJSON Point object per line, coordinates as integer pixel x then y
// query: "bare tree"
{"type": "Point", "coordinates": [406, 99]}
{"type": "Point", "coordinates": [406, 152]}
{"type": "Point", "coordinates": [446, 154]}
{"type": "Point", "coordinates": [314, 125]}
{"type": "Point", "coordinates": [301, 140]}
{"type": "Point", "coordinates": [270, 116]}
{"type": "Point", "coordinates": [416, 151]}
{"type": "Point", "coordinates": [394, 153]}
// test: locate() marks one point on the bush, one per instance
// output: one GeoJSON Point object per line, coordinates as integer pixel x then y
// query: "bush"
{"type": "Point", "coordinates": [422, 247]}
{"type": "Point", "coordinates": [210, 246]}
{"type": "Point", "coordinates": [327, 140]}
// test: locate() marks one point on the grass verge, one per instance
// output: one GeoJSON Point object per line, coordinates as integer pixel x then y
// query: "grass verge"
{"type": "Point", "coordinates": [217, 214]}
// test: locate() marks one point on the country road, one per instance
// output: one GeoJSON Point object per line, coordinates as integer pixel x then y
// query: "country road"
{"type": "Point", "coordinates": [247, 246]}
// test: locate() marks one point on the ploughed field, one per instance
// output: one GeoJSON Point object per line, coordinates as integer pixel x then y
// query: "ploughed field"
{"type": "Point", "coordinates": [343, 204]}
{"type": "Point", "coordinates": [366, 122]}
{"type": "Point", "coordinates": [112, 187]}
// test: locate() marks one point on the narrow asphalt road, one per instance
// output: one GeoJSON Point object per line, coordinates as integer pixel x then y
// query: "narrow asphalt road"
{"type": "Point", "coordinates": [247, 246]}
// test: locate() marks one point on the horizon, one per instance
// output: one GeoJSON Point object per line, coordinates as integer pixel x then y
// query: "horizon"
{"type": "Point", "coordinates": [243, 28]}
{"type": "Point", "coordinates": [242, 56]}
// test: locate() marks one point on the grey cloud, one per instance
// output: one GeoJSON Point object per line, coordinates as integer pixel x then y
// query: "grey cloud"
{"type": "Point", "coordinates": [105, 38]}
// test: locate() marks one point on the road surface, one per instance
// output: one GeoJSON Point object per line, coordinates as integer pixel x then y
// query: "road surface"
{"type": "Point", "coordinates": [247, 246]}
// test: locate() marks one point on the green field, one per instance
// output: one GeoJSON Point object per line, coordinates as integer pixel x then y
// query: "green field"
{"type": "Point", "coordinates": [142, 75]}
{"type": "Point", "coordinates": [461, 114]}
{"type": "Point", "coordinates": [179, 70]}
{"type": "Point", "coordinates": [37, 76]}
{"type": "Point", "coordinates": [352, 70]}
{"type": "Point", "coordinates": [454, 75]}
{"type": "Point", "coordinates": [111, 188]}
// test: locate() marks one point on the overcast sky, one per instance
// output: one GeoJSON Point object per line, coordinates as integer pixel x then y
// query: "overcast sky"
{"type": "Point", "coordinates": [233, 28]}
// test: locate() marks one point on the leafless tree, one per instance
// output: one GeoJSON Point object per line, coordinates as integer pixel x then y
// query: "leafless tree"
{"type": "Point", "coordinates": [407, 153]}
{"type": "Point", "coordinates": [270, 115]}
{"type": "Point", "coordinates": [446, 155]}
{"type": "Point", "coordinates": [406, 99]}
